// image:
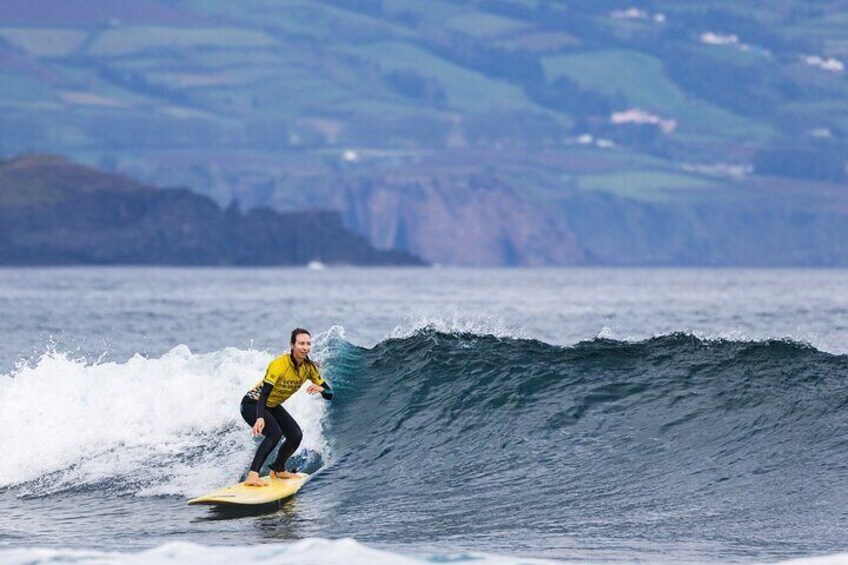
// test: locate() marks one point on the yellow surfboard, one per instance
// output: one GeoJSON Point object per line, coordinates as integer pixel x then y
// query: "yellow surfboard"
{"type": "Point", "coordinates": [277, 489]}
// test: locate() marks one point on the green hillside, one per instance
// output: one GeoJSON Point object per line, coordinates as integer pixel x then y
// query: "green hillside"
{"type": "Point", "coordinates": [270, 75]}
{"type": "Point", "coordinates": [260, 100]}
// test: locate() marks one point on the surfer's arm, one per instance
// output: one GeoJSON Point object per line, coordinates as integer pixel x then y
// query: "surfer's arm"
{"type": "Point", "coordinates": [263, 398]}
{"type": "Point", "coordinates": [319, 385]}
{"type": "Point", "coordinates": [323, 388]}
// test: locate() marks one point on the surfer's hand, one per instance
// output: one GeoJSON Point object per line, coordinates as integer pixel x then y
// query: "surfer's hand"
{"type": "Point", "coordinates": [258, 426]}
{"type": "Point", "coordinates": [314, 389]}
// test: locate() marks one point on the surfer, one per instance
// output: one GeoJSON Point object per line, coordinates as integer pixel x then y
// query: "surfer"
{"type": "Point", "coordinates": [262, 407]}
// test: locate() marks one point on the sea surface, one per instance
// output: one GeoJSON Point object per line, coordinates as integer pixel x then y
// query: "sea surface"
{"type": "Point", "coordinates": [485, 416]}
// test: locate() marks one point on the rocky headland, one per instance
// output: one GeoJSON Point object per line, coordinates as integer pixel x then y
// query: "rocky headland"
{"type": "Point", "coordinates": [56, 212]}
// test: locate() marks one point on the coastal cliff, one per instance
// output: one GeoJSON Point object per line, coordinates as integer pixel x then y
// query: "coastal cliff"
{"type": "Point", "coordinates": [491, 220]}
{"type": "Point", "coordinates": [55, 212]}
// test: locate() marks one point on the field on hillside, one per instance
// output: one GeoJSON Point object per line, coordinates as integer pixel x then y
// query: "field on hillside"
{"type": "Point", "coordinates": [645, 91]}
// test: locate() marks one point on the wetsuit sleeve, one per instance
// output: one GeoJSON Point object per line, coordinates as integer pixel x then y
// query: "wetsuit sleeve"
{"type": "Point", "coordinates": [327, 393]}
{"type": "Point", "coordinates": [316, 378]}
{"type": "Point", "coordinates": [263, 398]}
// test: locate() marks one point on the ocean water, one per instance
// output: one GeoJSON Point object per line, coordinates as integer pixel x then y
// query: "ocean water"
{"type": "Point", "coordinates": [484, 416]}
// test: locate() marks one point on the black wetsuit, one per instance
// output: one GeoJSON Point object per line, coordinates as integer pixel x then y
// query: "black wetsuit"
{"type": "Point", "coordinates": [278, 424]}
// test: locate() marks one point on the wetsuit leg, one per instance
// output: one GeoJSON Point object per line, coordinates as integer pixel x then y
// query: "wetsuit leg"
{"type": "Point", "coordinates": [272, 433]}
{"type": "Point", "coordinates": [290, 430]}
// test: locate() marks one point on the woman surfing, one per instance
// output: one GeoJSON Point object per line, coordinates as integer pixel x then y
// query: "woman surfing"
{"type": "Point", "coordinates": [262, 407]}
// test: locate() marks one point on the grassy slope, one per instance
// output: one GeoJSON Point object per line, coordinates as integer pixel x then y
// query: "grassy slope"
{"type": "Point", "coordinates": [32, 181]}
{"type": "Point", "coordinates": [641, 79]}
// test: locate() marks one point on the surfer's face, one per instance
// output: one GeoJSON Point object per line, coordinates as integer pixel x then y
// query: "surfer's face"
{"type": "Point", "coordinates": [302, 346]}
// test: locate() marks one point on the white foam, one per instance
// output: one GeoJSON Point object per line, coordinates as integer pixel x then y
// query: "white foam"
{"type": "Point", "coordinates": [825, 343]}
{"type": "Point", "coordinates": [453, 320]}
{"type": "Point", "coordinates": [167, 425]}
{"type": "Point", "coordinates": [836, 559]}
{"type": "Point", "coordinates": [305, 552]}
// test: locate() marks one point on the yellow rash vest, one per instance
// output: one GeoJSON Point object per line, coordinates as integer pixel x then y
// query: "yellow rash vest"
{"type": "Point", "coordinates": [286, 378]}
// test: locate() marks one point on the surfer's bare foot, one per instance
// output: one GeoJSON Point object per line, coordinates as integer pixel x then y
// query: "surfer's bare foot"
{"type": "Point", "coordinates": [253, 480]}
{"type": "Point", "coordinates": [283, 475]}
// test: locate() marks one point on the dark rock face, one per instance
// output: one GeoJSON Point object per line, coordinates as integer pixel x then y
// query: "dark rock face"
{"type": "Point", "coordinates": [53, 212]}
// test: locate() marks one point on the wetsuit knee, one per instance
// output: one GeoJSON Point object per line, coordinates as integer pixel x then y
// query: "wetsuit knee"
{"type": "Point", "coordinates": [295, 436]}
{"type": "Point", "coordinates": [273, 434]}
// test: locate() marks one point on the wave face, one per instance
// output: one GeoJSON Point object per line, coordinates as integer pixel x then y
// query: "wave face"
{"type": "Point", "coordinates": [525, 444]}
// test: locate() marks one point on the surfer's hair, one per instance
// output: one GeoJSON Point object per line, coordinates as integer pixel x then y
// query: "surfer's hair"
{"type": "Point", "coordinates": [296, 332]}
